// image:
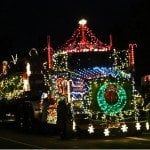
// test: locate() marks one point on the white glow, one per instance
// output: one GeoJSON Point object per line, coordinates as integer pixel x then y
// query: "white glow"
{"type": "Point", "coordinates": [138, 126]}
{"type": "Point", "coordinates": [74, 126]}
{"type": "Point", "coordinates": [147, 125]}
{"type": "Point", "coordinates": [28, 69]}
{"type": "Point", "coordinates": [124, 128]}
{"type": "Point", "coordinates": [26, 85]}
{"type": "Point", "coordinates": [5, 66]}
{"type": "Point", "coordinates": [44, 95]}
{"type": "Point", "coordinates": [82, 22]}
{"type": "Point", "coordinates": [14, 60]}
{"type": "Point", "coordinates": [106, 132]}
{"type": "Point", "coordinates": [68, 91]}
{"type": "Point", "coordinates": [91, 129]}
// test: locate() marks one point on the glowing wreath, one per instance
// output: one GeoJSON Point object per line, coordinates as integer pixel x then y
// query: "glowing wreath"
{"type": "Point", "coordinates": [111, 98]}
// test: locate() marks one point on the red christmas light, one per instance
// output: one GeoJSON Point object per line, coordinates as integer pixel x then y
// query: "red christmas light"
{"type": "Point", "coordinates": [83, 40]}
{"type": "Point", "coordinates": [49, 53]}
{"type": "Point", "coordinates": [131, 55]}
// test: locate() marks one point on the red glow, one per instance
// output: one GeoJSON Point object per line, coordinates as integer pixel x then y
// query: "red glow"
{"type": "Point", "coordinates": [131, 55]}
{"type": "Point", "coordinates": [83, 40]}
{"type": "Point", "coordinates": [50, 53]}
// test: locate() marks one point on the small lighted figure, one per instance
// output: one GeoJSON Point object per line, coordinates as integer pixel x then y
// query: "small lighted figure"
{"type": "Point", "coordinates": [124, 128]}
{"type": "Point", "coordinates": [82, 22]}
{"type": "Point", "coordinates": [28, 69]}
{"type": "Point", "coordinates": [138, 126]}
{"type": "Point", "coordinates": [91, 129]}
{"type": "Point", "coordinates": [74, 126]}
{"type": "Point", "coordinates": [147, 125]}
{"type": "Point", "coordinates": [106, 132]}
{"type": "Point", "coordinates": [5, 66]}
{"type": "Point", "coordinates": [14, 59]}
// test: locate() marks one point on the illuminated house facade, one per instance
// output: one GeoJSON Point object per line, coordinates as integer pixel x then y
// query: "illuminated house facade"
{"type": "Point", "coordinates": [94, 77]}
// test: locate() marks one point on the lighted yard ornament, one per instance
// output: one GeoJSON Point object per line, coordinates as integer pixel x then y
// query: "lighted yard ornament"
{"type": "Point", "coordinates": [61, 84]}
{"type": "Point", "coordinates": [124, 128]}
{"type": "Point", "coordinates": [74, 126]}
{"type": "Point", "coordinates": [91, 129]}
{"type": "Point", "coordinates": [138, 126]}
{"type": "Point", "coordinates": [147, 125]}
{"type": "Point", "coordinates": [33, 52]}
{"type": "Point", "coordinates": [26, 84]}
{"type": "Point", "coordinates": [111, 98]}
{"type": "Point", "coordinates": [106, 132]}
{"type": "Point", "coordinates": [14, 59]}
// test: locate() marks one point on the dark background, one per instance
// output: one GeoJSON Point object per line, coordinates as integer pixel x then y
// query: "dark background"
{"type": "Point", "coordinates": [25, 24]}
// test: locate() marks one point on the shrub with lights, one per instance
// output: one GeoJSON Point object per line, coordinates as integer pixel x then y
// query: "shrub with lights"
{"type": "Point", "coordinates": [11, 87]}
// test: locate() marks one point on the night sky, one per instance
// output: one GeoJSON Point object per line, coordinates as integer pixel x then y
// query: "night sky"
{"type": "Point", "coordinates": [24, 24]}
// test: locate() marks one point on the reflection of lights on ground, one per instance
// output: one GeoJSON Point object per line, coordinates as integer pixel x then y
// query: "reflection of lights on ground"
{"type": "Point", "coordinates": [147, 125]}
{"type": "Point", "coordinates": [106, 132]}
{"type": "Point", "coordinates": [124, 128]}
{"type": "Point", "coordinates": [91, 129]}
{"type": "Point", "coordinates": [138, 126]}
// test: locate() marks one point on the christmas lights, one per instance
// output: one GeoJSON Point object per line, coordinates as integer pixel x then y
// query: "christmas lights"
{"type": "Point", "coordinates": [119, 96]}
{"type": "Point", "coordinates": [106, 132]}
{"type": "Point", "coordinates": [91, 129]}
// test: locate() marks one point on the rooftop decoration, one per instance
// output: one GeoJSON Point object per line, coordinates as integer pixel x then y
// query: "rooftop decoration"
{"type": "Point", "coordinates": [84, 40]}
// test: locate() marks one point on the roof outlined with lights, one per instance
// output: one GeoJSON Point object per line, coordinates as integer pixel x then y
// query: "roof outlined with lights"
{"type": "Point", "coordinates": [84, 40]}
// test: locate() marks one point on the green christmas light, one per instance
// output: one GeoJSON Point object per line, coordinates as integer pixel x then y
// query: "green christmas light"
{"type": "Point", "coordinates": [111, 108]}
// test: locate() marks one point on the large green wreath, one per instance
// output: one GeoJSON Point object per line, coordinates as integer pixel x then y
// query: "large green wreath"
{"type": "Point", "coordinates": [111, 98]}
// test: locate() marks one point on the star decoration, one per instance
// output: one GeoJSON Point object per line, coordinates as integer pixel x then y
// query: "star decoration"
{"type": "Point", "coordinates": [124, 128]}
{"type": "Point", "coordinates": [91, 129]}
{"type": "Point", "coordinates": [106, 132]}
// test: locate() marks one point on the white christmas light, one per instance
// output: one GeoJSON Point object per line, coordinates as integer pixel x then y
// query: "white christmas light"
{"type": "Point", "coordinates": [138, 126]}
{"type": "Point", "coordinates": [28, 69]}
{"type": "Point", "coordinates": [91, 129]}
{"type": "Point", "coordinates": [124, 128]}
{"type": "Point", "coordinates": [82, 22]}
{"type": "Point", "coordinates": [74, 126]}
{"type": "Point", "coordinates": [106, 132]}
{"type": "Point", "coordinates": [147, 125]}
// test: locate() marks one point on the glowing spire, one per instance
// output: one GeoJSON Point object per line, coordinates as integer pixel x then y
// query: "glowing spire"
{"type": "Point", "coordinates": [82, 22]}
{"type": "Point", "coordinates": [83, 40]}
